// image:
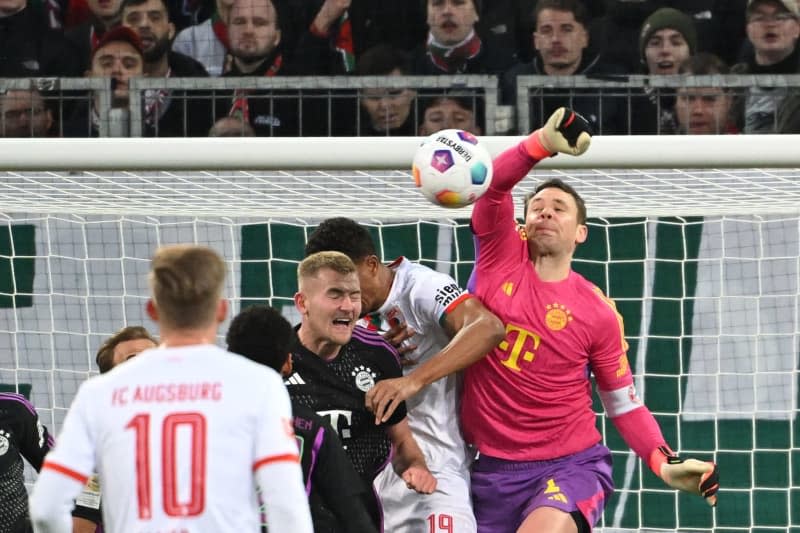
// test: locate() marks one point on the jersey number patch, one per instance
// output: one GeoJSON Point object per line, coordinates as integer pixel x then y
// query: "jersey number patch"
{"type": "Point", "coordinates": [440, 523]}
{"type": "Point", "coordinates": [196, 424]}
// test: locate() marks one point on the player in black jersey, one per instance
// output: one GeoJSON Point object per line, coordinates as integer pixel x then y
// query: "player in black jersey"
{"type": "Point", "coordinates": [337, 363]}
{"type": "Point", "coordinates": [21, 435]}
{"type": "Point", "coordinates": [336, 494]}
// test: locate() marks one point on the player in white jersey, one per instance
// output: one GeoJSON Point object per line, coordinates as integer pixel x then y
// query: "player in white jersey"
{"type": "Point", "coordinates": [181, 435]}
{"type": "Point", "coordinates": [453, 330]}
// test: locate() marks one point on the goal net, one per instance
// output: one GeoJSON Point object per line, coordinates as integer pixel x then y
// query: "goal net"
{"type": "Point", "coordinates": [704, 265]}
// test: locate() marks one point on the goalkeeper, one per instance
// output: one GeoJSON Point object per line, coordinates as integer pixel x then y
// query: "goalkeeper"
{"type": "Point", "coordinates": [527, 406]}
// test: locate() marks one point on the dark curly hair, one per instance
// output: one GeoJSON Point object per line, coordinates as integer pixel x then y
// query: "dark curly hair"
{"type": "Point", "coordinates": [342, 235]}
{"type": "Point", "coordinates": [261, 334]}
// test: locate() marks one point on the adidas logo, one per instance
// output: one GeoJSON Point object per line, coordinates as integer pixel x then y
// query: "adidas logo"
{"type": "Point", "coordinates": [294, 379]}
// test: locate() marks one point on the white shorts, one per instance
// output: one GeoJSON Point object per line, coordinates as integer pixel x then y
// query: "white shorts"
{"type": "Point", "coordinates": [447, 510]}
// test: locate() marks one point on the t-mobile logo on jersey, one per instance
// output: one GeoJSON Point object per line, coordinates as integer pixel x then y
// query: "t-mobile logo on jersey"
{"type": "Point", "coordinates": [340, 421]}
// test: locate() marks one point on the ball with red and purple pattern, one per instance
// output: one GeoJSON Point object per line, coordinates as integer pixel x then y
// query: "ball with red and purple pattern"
{"type": "Point", "coordinates": [452, 168]}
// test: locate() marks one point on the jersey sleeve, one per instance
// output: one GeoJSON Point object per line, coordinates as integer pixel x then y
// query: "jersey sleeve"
{"type": "Point", "coordinates": [35, 441]}
{"type": "Point", "coordinates": [608, 355]}
{"type": "Point", "coordinates": [275, 441]}
{"type": "Point", "coordinates": [277, 466]}
{"type": "Point", "coordinates": [497, 237]}
{"type": "Point", "coordinates": [74, 453]}
{"type": "Point", "coordinates": [434, 296]}
{"type": "Point", "coordinates": [391, 369]}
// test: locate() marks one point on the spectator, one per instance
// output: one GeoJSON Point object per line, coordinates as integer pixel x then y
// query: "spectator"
{"type": "Point", "coordinates": [118, 55]}
{"type": "Point", "coordinates": [29, 48]}
{"type": "Point", "coordinates": [718, 25]}
{"type": "Point", "coordinates": [22, 435]}
{"type": "Point", "coordinates": [255, 38]}
{"type": "Point", "coordinates": [126, 343]}
{"type": "Point", "coordinates": [704, 110]}
{"type": "Point", "coordinates": [166, 113]}
{"type": "Point", "coordinates": [388, 111]}
{"type": "Point", "coordinates": [231, 127]}
{"type": "Point", "coordinates": [336, 494]}
{"type": "Point", "coordinates": [561, 43]}
{"type": "Point", "coordinates": [453, 45]}
{"type": "Point", "coordinates": [773, 30]}
{"type": "Point", "coordinates": [208, 42]}
{"type": "Point", "coordinates": [104, 15]}
{"type": "Point", "coordinates": [667, 39]}
{"type": "Point", "coordinates": [23, 113]}
{"type": "Point", "coordinates": [450, 111]}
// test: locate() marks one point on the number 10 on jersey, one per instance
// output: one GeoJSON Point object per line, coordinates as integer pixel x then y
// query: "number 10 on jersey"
{"type": "Point", "coordinates": [195, 423]}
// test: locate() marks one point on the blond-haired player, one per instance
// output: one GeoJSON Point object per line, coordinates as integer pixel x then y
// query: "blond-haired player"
{"type": "Point", "coordinates": [182, 435]}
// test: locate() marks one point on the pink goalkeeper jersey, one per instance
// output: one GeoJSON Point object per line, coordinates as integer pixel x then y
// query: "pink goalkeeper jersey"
{"type": "Point", "coordinates": [530, 398]}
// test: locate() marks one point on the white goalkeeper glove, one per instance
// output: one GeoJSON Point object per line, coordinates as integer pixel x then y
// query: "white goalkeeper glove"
{"type": "Point", "coordinates": [689, 475]}
{"type": "Point", "coordinates": [566, 131]}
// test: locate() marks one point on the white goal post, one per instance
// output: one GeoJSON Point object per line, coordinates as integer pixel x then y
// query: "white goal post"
{"type": "Point", "coordinates": [696, 239]}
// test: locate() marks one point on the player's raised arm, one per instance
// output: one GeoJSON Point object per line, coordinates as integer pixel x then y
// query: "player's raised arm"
{"type": "Point", "coordinates": [565, 131]}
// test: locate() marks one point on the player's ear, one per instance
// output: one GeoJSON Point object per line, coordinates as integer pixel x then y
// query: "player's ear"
{"type": "Point", "coordinates": [286, 369]}
{"type": "Point", "coordinates": [581, 234]}
{"type": "Point", "coordinates": [222, 310]}
{"type": "Point", "coordinates": [151, 309]}
{"type": "Point", "coordinates": [300, 302]}
{"type": "Point", "coordinates": [373, 263]}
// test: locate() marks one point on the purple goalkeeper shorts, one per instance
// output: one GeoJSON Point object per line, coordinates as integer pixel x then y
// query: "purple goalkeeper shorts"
{"type": "Point", "coordinates": [504, 492]}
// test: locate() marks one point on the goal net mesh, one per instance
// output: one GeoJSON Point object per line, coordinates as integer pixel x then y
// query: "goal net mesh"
{"type": "Point", "coordinates": [704, 266]}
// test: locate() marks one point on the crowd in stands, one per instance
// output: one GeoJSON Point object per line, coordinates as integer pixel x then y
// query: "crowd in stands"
{"type": "Point", "coordinates": [601, 40]}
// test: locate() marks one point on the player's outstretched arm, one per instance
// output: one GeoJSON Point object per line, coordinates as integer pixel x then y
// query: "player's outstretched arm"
{"type": "Point", "coordinates": [565, 131]}
{"type": "Point", "coordinates": [408, 461]}
{"type": "Point", "coordinates": [474, 331]}
{"type": "Point", "coordinates": [641, 432]}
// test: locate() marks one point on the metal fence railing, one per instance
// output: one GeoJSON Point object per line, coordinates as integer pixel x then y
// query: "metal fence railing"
{"type": "Point", "coordinates": [346, 106]}
{"type": "Point", "coordinates": [625, 104]}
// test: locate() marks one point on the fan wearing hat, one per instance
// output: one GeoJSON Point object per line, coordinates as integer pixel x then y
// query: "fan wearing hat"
{"type": "Point", "coordinates": [117, 55]}
{"type": "Point", "coordinates": [667, 39]}
{"type": "Point", "coordinates": [773, 29]}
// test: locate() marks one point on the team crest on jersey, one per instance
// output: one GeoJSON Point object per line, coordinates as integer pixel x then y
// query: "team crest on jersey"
{"type": "Point", "coordinates": [364, 377]}
{"type": "Point", "coordinates": [557, 316]}
{"type": "Point", "coordinates": [40, 429]}
{"type": "Point", "coordinates": [4, 445]}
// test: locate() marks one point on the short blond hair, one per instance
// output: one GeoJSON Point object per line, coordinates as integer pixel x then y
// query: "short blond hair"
{"type": "Point", "coordinates": [336, 261]}
{"type": "Point", "coordinates": [186, 283]}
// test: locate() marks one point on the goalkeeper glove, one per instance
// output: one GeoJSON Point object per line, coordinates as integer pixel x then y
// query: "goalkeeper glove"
{"type": "Point", "coordinates": [566, 131]}
{"type": "Point", "coordinates": [689, 475]}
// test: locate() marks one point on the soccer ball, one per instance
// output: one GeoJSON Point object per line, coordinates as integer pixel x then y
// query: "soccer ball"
{"type": "Point", "coordinates": [452, 169]}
